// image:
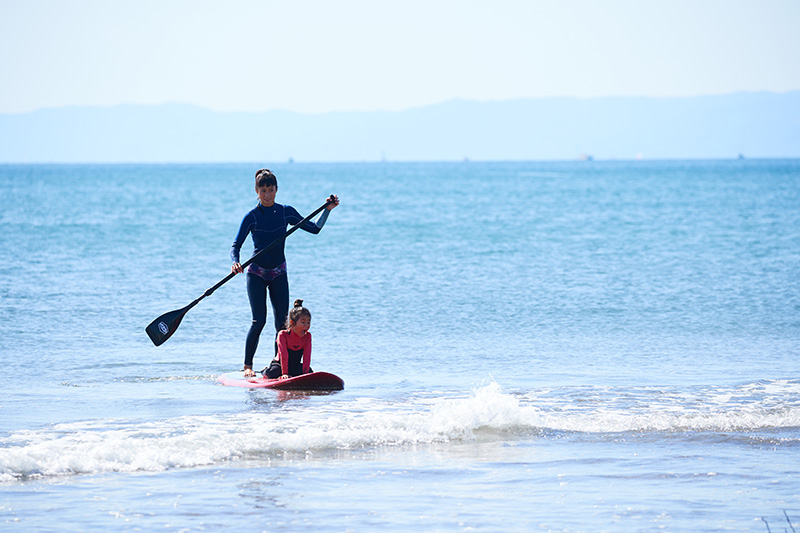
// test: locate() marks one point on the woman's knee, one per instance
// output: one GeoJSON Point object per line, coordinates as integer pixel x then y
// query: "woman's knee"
{"type": "Point", "coordinates": [257, 325]}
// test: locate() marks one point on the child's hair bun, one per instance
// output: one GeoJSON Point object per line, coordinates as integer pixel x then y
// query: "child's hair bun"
{"type": "Point", "coordinates": [296, 312]}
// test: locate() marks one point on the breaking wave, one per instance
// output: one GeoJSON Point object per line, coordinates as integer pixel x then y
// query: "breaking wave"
{"type": "Point", "coordinates": [487, 413]}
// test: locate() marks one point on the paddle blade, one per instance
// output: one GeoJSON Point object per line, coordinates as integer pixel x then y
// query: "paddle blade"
{"type": "Point", "coordinates": [164, 326]}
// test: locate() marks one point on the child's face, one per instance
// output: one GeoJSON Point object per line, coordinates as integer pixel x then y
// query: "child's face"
{"type": "Point", "coordinates": [266, 194]}
{"type": "Point", "coordinates": [302, 326]}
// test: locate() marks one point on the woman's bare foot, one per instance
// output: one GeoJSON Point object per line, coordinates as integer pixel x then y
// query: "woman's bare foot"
{"type": "Point", "coordinates": [248, 372]}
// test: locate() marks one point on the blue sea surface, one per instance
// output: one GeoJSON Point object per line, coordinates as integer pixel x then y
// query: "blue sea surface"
{"type": "Point", "coordinates": [526, 346]}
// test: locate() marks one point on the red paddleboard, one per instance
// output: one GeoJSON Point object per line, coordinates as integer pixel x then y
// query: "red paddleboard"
{"type": "Point", "coordinates": [312, 381]}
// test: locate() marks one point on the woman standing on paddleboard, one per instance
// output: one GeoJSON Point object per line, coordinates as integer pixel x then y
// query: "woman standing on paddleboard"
{"type": "Point", "coordinates": [267, 274]}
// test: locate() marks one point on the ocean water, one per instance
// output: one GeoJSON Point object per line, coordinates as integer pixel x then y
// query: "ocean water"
{"type": "Point", "coordinates": [573, 346]}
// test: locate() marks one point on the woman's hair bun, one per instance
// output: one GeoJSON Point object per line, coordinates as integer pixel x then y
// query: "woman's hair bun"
{"type": "Point", "coordinates": [298, 303]}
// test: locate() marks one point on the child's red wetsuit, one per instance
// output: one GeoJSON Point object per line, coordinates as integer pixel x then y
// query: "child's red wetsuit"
{"type": "Point", "coordinates": [293, 357]}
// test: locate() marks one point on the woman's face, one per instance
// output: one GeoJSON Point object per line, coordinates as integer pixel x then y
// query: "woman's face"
{"type": "Point", "coordinates": [266, 194]}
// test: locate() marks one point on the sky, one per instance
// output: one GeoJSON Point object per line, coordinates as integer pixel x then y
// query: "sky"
{"type": "Point", "coordinates": [318, 56]}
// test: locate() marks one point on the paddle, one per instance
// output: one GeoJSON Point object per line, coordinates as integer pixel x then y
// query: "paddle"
{"type": "Point", "coordinates": [164, 326]}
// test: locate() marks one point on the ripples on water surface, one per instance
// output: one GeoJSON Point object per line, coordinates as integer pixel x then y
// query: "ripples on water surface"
{"type": "Point", "coordinates": [525, 346]}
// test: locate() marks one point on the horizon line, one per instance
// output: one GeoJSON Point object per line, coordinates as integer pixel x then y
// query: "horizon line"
{"type": "Point", "coordinates": [465, 161]}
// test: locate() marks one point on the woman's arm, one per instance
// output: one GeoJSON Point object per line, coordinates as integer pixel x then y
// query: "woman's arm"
{"type": "Point", "coordinates": [293, 217]}
{"type": "Point", "coordinates": [244, 229]}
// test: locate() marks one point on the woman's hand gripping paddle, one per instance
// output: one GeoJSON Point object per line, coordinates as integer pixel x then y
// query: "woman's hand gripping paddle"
{"type": "Point", "coordinates": [164, 326]}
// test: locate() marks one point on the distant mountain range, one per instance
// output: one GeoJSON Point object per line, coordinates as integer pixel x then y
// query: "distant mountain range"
{"type": "Point", "coordinates": [753, 124]}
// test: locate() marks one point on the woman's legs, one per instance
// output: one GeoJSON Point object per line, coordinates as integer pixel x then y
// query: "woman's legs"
{"type": "Point", "coordinates": [279, 298]}
{"type": "Point", "coordinates": [257, 294]}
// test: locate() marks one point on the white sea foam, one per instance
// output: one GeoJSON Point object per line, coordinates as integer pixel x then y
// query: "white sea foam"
{"type": "Point", "coordinates": [116, 446]}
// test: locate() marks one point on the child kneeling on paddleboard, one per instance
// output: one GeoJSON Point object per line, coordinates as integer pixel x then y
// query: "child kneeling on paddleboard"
{"type": "Point", "coordinates": [294, 346]}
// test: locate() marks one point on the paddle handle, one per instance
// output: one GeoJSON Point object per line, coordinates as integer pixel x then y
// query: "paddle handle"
{"type": "Point", "coordinates": [269, 247]}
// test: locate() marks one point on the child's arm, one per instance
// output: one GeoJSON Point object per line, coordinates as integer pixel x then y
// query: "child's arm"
{"type": "Point", "coordinates": [307, 354]}
{"type": "Point", "coordinates": [283, 352]}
